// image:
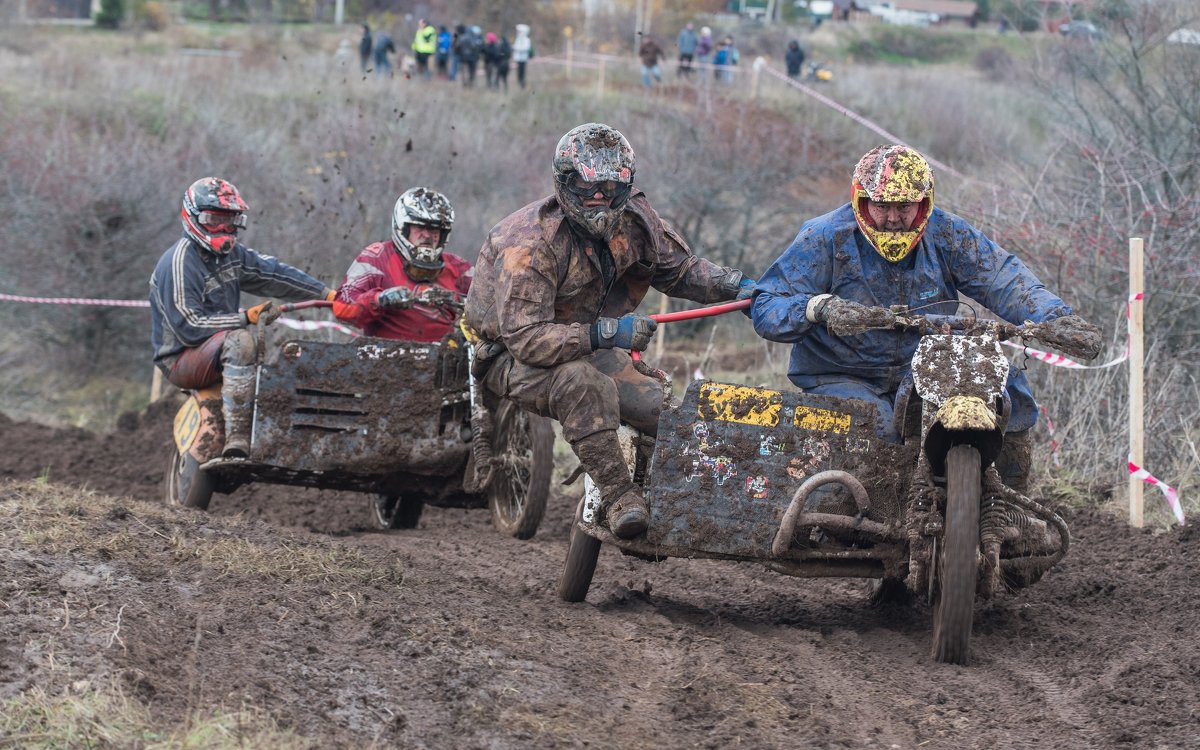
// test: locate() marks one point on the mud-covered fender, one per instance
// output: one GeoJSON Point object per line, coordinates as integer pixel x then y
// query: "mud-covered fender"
{"type": "Point", "coordinates": [965, 420]}
{"type": "Point", "coordinates": [193, 420]}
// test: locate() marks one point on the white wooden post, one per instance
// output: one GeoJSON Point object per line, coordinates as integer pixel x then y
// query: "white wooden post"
{"type": "Point", "coordinates": [660, 336]}
{"type": "Point", "coordinates": [600, 80]}
{"type": "Point", "coordinates": [1136, 356]}
{"type": "Point", "coordinates": [339, 12]}
{"type": "Point", "coordinates": [156, 384]}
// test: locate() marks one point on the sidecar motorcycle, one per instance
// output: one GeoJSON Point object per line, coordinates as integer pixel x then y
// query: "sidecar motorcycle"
{"type": "Point", "coordinates": [802, 483]}
{"type": "Point", "coordinates": [390, 418]}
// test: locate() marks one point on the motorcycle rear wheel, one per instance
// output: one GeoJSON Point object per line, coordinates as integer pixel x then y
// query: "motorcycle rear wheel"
{"type": "Point", "coordinates": [958, 557]}
{"type": "Point", "coordinates": [185, 483]}
{"type": "Point", "coordinates": [523, 450]}
{"type": "Point", "coordinates": [580, 565]}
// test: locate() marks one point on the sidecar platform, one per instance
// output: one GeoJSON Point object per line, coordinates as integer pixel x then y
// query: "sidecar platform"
{"type": "Point", "coordinates": [728, 460]}
{"type": "Point", "coordinates": [370, 415]}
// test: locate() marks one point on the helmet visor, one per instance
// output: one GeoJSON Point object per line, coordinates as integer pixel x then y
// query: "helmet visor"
{"type": "Point", "coordinates": [225, 222]}
{"type": "Point", "coordinates": [612, 190]}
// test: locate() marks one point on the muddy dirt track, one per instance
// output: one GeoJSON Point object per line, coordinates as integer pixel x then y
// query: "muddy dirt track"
{"type": "Point", "coordinates": [468, 646]}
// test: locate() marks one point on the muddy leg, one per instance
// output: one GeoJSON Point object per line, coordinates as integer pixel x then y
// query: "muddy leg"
{"type": "Point", "coordinates": [1015, 461]}
{"type": "Point", "coordinates": [625, 508]}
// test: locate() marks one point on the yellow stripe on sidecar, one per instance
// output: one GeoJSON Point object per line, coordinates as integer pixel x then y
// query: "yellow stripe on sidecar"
{"type": "Point", "coordinates": [822, 420]}
{"type": "Point", "coordinates": [740, 403]}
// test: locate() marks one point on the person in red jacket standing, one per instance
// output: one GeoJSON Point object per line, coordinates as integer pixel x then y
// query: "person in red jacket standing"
{"type": "Point", "coordinates": [409, 287]}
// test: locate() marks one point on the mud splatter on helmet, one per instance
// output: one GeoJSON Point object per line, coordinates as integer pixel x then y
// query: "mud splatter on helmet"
{"type": "Point", "coordinates": [207, 204]}
{"type": "Point", "coordinates": [427, 208]}
{"type": "Point", "coordinates": [892, 174]}
{"type": "Point", "coordinates": [593, 153]}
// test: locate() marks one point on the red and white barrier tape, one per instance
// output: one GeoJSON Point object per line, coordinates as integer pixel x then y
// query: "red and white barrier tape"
{"type": "Point", "coordinates": [1059, 360]}
{"type": "Point", "coordinates": [1053, 440]}
{"type": "Point", "coordinates": [75, 301]}
{"type": "Point", "coordinates": [316, 325]}
{"type": "Point", "coordinates": [1168, 491]}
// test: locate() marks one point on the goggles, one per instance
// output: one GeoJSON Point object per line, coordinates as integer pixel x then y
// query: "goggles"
{"type": "Point", "coordinates": [612, 190]}
{"type": "Point", "coordinates": [222, 221]}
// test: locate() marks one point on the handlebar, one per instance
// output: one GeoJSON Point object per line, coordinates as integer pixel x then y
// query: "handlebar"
{"type": "Point", "coordinates": [293, 306]}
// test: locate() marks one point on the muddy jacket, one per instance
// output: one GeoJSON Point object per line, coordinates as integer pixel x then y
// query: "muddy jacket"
{"type": "Point", "coordinates": [538, 284]}
{"type": "Point", "coordinates": [380, 267]}
{"type": "Point", "coordinates": [830, 255]}
{"type": "Point", "coordinates": [195, 293]}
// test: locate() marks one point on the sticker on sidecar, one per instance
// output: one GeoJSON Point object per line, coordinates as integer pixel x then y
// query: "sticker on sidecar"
{"type": "Point", "coordinates": [374, 351]}
{"type": "Point", "coordinates": [187, 424]}
{"type": "Point", "coordinates": [822, 420]}
{"type": "Point", "coordinates": [740, 403]}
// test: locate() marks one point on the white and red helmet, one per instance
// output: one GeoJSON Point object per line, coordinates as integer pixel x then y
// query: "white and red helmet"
{"type": "Point", "coordinates": [213, 212]}
{"type": "Point", "coordinates": [428, 208]}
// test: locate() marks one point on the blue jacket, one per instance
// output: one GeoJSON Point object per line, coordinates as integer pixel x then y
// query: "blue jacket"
{"type": "Point", "coordinates": [830, 255]}
{"type": "Point", "coordinates": [195, 293]}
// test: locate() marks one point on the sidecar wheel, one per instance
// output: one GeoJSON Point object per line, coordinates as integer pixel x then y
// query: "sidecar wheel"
{"type": "Point", "coordinates": [185, 484]}
{"type": "Point", "coordinates": [523, 456]}
{"type": "Point", "coordinates": [580, 565]}
{"type": "Point", "coordinates": [958, 557]}
{"type": "Point", "coordinates": [395, 512]}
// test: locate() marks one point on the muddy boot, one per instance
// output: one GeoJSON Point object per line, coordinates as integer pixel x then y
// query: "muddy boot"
{"type": "Point", "coordinates": [237, 401]}
{"type": "Point", "coordinates": [624, 507]}
{"type": "Point", "coordinates": [1015, 461]}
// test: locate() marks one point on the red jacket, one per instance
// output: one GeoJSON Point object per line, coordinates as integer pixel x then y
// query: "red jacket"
{"type": "Point", "coordinates": [380, 267]}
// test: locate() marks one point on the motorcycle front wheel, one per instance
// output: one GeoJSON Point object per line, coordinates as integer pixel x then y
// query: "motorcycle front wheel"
{"type": "Point", "coordinates": [185, 483]}
{"type": "Point", "coordinates": [957, 557]}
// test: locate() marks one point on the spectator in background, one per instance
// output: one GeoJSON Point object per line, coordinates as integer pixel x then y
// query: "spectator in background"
{"type": "Point", "coordinates": [424, 46]}
{"type": "Point", "coordinates": [724, 59]}
{"type": "Point", "coordinates": [459, 32]}
{"type": "Point", "coordinates": [468, 49]}
{"type": "Point", "coordinates": [491, 56]}
{"type": "Point", "coordinates": [503, 59]}
{"type": "Point", "coordinates": [442, 56]}
{"type": "Point", "coordinates": [704, 47]}
{"type": "Point", "coordinates": [687, 43]}
{"type": "Point", "coordinates": [794, 58]}
{"type": "Point", "coordinates": [365, 45]}
{"type": "Point", "coordinates": [522, 51]}
{"type": "Point", "coordinates": [383, 47]}
{"type": "Point", "coordinates": [650, 53]}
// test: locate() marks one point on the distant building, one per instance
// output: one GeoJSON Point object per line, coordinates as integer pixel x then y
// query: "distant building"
{"type": "Point", "coordinates": [927, 12]}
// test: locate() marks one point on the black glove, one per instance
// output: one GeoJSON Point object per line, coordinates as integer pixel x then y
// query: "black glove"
{"type": "Point", "coordinates": [397, 297]}
{"type": "Point", "coordinates": [631, 331]}
{"type": "Point", "coordinates": [735, 285]}
{"type": "Point", "coordinates": [1073, 335]}
{"type": "Point", "coordinates": [843, 317]}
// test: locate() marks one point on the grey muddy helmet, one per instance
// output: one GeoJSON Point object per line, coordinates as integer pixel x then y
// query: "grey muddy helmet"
{"type": "Point", "coordinates": [593, 153]}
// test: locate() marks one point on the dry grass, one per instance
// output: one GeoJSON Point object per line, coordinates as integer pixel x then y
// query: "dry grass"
{"type": "Point", "coordinates": [61, 520]}
{"type": "Point", "coordinates": [104, 717]}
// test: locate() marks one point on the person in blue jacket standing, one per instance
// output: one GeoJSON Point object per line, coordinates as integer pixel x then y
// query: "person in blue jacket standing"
{"type": "Point", "coordinates": [891, 246]}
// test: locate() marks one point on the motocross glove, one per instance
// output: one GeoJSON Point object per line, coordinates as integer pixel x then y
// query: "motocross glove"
{"type": "Point", "coordinates": [435, 296]}
{"type": "Point", "coordinates": [1074, 335]}
{"type": "Point", "coordinates": [397, 297]}
{"type": "Point", "coordinates": [843, 317]}
{"type": "Point", "coordinates": [265, 313]}
{"type": "Point", "coordinates": [746, 289]}
{"type": "Point", "coordinates": [630, 331]}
